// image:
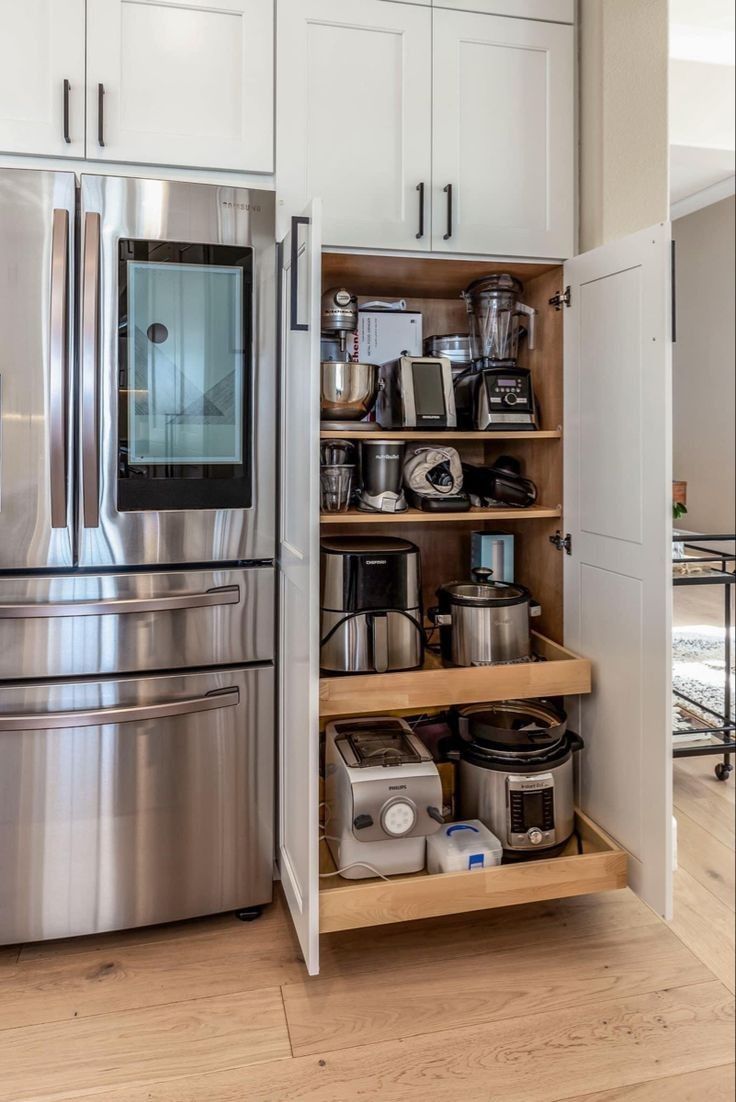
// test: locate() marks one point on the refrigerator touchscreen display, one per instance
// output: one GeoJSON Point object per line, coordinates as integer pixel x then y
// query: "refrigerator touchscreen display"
{"type": "Point", "coordinates": [184, 367]}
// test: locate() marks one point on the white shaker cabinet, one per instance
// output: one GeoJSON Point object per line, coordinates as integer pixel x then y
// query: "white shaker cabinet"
{"type": "Point", "coordinates": [181, 84]}
{"type": "Point", "coordinates": [42, 77]}
{"type": "Point", "coordinates": [354, 118]}
{"type": "Point", "coordinates": [502, 136]}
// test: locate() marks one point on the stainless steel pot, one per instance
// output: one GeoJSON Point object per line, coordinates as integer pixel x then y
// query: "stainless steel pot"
{"type": "Point", "coordinates": [483, 622]}
{"type": "Point", "coordinates": [348, 390]}
{"type": "Point", "coordinates": [453, 346]}
{"type": "Point", "coordinates": [516, 774]}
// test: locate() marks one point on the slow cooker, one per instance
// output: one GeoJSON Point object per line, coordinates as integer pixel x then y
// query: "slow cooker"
{"type": "Point", "coordinates": [482, 622]}
{"type": "Point", "coordinates": [516, 774]}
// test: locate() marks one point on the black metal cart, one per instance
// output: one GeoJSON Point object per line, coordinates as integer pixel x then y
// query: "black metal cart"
{"type": "Point", "coordinates": [721, 571]}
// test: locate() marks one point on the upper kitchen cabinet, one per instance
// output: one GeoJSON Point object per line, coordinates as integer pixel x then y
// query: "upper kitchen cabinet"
{"type": "Point", "coordinates": [181, 83]}
{"type": "Point", "coordinates": [42, 77]}
{"type": "Point", "coordinates": [354, 118]}
{"type": "Point", "coordinates": [503, 136]}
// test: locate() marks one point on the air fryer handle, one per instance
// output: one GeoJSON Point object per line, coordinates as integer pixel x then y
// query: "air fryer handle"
{"type": "Point", "coordinates": [379, 641]}
{"type": "Point", "coordinates": [575, 741]}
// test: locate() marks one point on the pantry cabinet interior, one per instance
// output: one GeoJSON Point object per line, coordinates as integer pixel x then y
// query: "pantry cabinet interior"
{"type": "Point", "coordinates": [470, 118]}
{"type": "Point", "coordinates": [574, 407]}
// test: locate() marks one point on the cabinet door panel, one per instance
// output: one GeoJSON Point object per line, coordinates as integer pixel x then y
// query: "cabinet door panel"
{"type": "Point", "coordinates": [41, 46]}
{"type": "Point", "coordinates": [503, 136]}
{"type": "Point", "coordinates": [184, 83]}
{"type": "Point", "coordinates": [618, 497]}
{"type": "Point", "coordinates": [298, 567]}
{"type": "Point", "coordinates": [354, 117]}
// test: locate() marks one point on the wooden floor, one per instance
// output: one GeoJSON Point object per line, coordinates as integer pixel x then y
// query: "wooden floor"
{"type": "Point", "coordinates": [590, 1000]}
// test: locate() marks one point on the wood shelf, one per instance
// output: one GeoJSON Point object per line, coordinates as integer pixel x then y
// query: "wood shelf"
{"type": "Point", "coordinates": [351, 904]}
{"type": "Point", "coordinates": [419, 516]}
{"type": "Point", "coordinates": [436, 686]}
{"type": "Point", "coordinates": [446, 434]}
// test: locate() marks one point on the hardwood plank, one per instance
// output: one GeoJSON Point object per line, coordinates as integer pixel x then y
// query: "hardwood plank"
{"type": "Point", "coordinates": [78, 985]}
{"type": "Point", "coordinates": [706, 859]}
{"type": "Point", "coordinates": [716, 1084]}
{"type": "Point", "coordinates": [387, 948]}
{"type": "Point", "coordinates": [702, 770]}
{"type": "Point", "coordinates": [270, 924]}
{"type": "Point", "coordinates": [123, 1051]}
{"type": "Point", "coordinates": [706, 926]}
{"type": "Point", "coordinates": [694, 797]}
{"type": "Point", "coordinates": [538, 1058]}
{"type": "Point", "coordinates": [328, 1014]}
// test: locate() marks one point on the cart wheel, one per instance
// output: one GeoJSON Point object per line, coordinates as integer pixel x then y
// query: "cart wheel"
{"type": "Point", "coordinates": [249, 914]}
{"type": "Point", "coordinates": [723, 771]}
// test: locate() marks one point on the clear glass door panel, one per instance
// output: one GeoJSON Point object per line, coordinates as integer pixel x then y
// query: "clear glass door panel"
{"type": "Point", "coordinates": [184, 359]}
{"type": "Point", "coordinates": [186, 364]}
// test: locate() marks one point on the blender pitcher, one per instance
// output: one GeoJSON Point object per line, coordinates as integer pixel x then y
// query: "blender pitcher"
{"type": "Point", "coordinates": [497, 319]}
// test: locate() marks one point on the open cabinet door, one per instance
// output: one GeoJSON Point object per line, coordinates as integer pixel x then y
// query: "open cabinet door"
{"type": "Point", "coordinates": [618, 512]}
{"type": "Point", "coordinates": [298, 676]}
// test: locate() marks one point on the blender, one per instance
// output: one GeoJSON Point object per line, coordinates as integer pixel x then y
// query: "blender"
{"type": "Point", "coordinates": [502, 393]}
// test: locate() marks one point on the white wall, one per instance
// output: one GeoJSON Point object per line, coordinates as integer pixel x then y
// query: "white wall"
{"type": "Point", "coordinates": [624, 155]}
{"type": "Point", "coordinates": [704, 367]}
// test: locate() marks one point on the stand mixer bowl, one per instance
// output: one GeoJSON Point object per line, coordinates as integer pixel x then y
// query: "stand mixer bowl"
{"type": "Point", "coordinates": [349, 390]}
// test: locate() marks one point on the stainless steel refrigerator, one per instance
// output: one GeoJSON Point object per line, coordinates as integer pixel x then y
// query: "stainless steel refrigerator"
{"type": "Point", "coordinates": [137, 538]}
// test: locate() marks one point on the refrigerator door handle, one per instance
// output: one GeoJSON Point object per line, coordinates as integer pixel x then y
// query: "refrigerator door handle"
{"type": "Point", "coordinates": [90, 371]}
{"type": "Point", "coordinates": [223, 595]}
{"type": "Point", "coordinates": [58, 367]}
{"type": "Point", "coordinates": [127, 713]}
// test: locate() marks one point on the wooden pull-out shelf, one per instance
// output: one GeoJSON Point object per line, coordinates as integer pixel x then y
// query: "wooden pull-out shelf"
{"type": "Point", "coordinates": [435, 685]}
{"type": "Point", "coordinates": [419, 516]}
{"type": "Point", "coordinates": [409, 435]}
{"type": "Point", "coordinates": [350, 904]}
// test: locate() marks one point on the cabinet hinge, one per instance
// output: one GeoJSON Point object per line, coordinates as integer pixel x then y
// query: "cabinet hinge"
{"type": "Point", "coordinates": [562, 543]}
{"type": "Point", "coordinates": [562, 298]}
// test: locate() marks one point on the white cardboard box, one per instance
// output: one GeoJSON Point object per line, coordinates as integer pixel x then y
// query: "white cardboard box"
{"type": "Point", "coordinates": [382, 335]}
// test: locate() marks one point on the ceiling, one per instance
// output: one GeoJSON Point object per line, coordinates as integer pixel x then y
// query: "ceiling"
{"type": "Point", "coordinates": [702, 80]}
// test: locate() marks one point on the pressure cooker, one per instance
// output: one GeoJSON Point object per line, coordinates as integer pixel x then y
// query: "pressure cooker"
{"type": "Point", "coordinates": [483, 622]}
{"type": "Point", "coordinates": [516, 774]}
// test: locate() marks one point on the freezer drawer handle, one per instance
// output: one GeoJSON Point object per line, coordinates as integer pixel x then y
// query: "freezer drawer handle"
{"type": "Point", "coordinates": [58, 366]}
{"type": "Point", "coordinates": [90, 371]}
{"type": "Point", "coordinates": [223, 595]}
{"type": "Point", "coordinates": [129, 713]}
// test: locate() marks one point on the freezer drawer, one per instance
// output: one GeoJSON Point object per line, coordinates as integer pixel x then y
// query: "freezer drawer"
{"type": "Point", "coordinates": [123, 623]}
{"type": "Point", "coordinates": [134, 801]}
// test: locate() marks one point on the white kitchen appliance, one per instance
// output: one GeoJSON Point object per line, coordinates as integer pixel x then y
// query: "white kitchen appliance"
{"type": "Point", "coordinates": [383, 796]}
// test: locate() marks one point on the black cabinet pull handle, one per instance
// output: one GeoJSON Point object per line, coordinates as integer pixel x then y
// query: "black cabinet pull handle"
{"type": "Point", "coordinates": [67, 89]}
{"type": "Point", "coordinates": [295, 325]}
{"type": "Point", "coordinates": [420, 189]}
{"type": "Point", "coordinates": [448, 192]}
{"type": "Point", "coordinates": [101, 115]}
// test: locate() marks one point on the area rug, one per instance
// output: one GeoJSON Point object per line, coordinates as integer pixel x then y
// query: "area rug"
{"type": "Point", "coordinates": [698, 670]}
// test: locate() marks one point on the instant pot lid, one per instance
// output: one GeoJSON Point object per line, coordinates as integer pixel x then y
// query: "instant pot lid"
{"type": "Point", "coordinates": [512, 726]}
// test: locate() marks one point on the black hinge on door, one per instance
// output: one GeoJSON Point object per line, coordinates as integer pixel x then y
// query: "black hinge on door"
{"type": "Point", "coordinates": [562, 543]}
{"type": "Point", "coordinates": [562, 298]}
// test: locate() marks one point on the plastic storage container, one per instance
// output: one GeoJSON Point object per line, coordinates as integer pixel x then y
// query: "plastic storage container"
{"type": "Point", "coordinates": [462, 847]}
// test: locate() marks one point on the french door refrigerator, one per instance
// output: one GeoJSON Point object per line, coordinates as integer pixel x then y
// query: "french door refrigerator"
{"type": "Point", "coordinates": [137, 538]}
